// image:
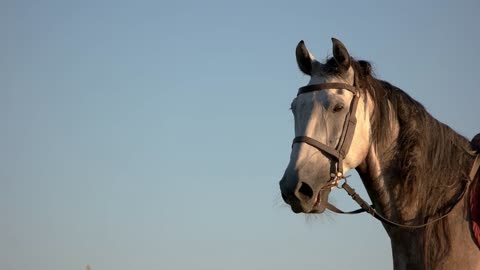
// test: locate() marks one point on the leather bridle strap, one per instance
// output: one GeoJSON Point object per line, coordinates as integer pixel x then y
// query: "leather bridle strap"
{"type": "Point", "coordinates": [365, 207]}
{"type": "Point", "coordinates": [323, 86]}
{"type": "Point", "coordinates": [334, 209]}
{"type": "Point", "coordinates": [348, 131]}
{"type": "Point", "coordinates": [346, 137]}
{"type": "Point", "coordinates": [320, 146]}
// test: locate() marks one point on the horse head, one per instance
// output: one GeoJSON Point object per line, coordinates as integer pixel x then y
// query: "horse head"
{"type": "Point", "coordinates": [332, 129]}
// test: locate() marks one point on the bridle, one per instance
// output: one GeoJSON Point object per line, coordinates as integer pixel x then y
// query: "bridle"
{"type": "Point", "coordinates": [338, 154]}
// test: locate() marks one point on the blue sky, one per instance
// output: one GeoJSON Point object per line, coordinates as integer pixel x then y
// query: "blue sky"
{"type": "Point", "coordinates": [152, 135]}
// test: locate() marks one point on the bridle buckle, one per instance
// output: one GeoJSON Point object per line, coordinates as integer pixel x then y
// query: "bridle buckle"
{"type": "Point", "coordinates": [337, 180]}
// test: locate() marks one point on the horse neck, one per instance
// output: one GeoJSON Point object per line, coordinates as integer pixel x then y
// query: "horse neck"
{"type": "Point", "coordinates": [410, 188]}
{"type": "Point", "coordinates": [415, 163]}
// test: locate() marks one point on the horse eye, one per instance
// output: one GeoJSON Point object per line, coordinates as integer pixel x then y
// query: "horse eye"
{"type": "Point", "coordinates": [338, 108]}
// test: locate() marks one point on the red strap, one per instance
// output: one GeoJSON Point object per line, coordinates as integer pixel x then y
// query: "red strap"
{"type": "Point", "coordinates": [474, 170]}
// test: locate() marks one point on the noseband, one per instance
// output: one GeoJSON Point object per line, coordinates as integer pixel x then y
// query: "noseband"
{"type": "Point", "coordinates": [338, 153]}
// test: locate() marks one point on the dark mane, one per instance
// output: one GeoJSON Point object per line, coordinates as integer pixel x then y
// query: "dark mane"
{"type": "Point", "coordinates": [429, 156]}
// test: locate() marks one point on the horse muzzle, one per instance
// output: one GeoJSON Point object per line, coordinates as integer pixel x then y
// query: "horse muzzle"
{"type": "Point", "coordinates": [303, 197]}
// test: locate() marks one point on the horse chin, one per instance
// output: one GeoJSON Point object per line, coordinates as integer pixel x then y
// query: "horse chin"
{"type": "Point", "coordinates": [318, 210]}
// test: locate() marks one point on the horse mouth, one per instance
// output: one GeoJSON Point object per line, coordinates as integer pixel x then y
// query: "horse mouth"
{"type": "Point", "coordinates": [318, 206]}
{"type": "Point", "coordinates": [307, 201]}
{"type": "Point", "coordinates": [316, 202]}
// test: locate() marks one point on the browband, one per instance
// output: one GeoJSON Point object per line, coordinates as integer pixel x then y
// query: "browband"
{"type": "Point", "coordinates": [323, 86]}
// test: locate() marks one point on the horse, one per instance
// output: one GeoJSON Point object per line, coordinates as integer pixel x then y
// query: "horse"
{"type": "Point", "coordinates": [418, 172]}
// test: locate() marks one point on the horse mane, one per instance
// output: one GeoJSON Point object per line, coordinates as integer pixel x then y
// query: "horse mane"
{"type": "Point", "coordinates": [431, 162]}
{"type": "Point", "coordinates": [429, 156]}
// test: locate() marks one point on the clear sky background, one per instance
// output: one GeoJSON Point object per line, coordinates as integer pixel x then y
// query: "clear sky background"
{"type": "Point", "coordinates": [152, 135]}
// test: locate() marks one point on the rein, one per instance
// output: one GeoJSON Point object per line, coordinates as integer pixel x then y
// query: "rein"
{"type": "Point", "coordinates": [339, 153]}
{"type": "Point", "coordinates": [365, 207]}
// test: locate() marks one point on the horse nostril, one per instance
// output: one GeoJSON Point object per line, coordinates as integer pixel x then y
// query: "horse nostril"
{"type": "Point", "coordinates": [306, 190]}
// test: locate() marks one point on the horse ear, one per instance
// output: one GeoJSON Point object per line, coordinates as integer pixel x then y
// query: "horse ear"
{"type": "Point", "coordinates": [340, 54]}
{"type": "Point", "coordinates": [304, 58]}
